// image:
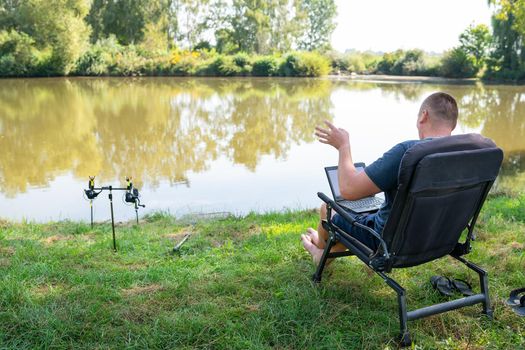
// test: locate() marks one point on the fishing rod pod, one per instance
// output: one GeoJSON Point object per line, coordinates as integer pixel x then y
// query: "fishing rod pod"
{"type": "Point", "coordinates": [131, 195]}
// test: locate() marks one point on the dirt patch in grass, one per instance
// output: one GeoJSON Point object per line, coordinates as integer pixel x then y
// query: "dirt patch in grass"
{"type": "Point", "coordinates": [43, 290]}
{"type": "Point", "coordinates": [137, 290]}
{"type": "Point", "coordinates": [517, 245]}
{"type": "Point", "coordinates": [7, 251]}
{"type": "Point", "coordinates": [236, 235]}
{"type": "Point", "coordinates": [252, 307]}
{"type": "Point", "coordinates": [252, 231]}
{"type": "Point", "coordinates": [177, 236]}
{"type": "Point", "coordinates": [55, 238]}
{"type": "Point", "coordinates": [506, 249]}
{"type": "Point", "coordinates": [5, 262]}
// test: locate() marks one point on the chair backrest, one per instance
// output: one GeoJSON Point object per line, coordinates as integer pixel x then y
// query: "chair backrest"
{"type": "Point", "coordinates": [442, 185]}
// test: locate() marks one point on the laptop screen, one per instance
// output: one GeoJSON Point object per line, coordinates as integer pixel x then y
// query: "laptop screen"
{"type": "Point", "coordinates": [334, 181]}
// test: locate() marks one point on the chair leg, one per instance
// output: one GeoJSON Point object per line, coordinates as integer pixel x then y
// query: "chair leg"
{"type": "Point", "coordinates": [404, 336]}
{"type": "Point", "coordinates": [484, 285]}
{"type": "Point", "coordinates": [322, 263]}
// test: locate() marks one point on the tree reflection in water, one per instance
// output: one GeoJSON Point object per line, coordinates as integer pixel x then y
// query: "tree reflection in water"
{"type": "Point", "coordinates": [154, 129]}
{"type": "Point", "coordinates": [160, 129]}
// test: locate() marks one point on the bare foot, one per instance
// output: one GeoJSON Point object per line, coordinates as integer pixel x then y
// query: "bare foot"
{"type": "Point", "coordinates": [314, 236]}
{"type": "Point", "coordinates": [315, 252]}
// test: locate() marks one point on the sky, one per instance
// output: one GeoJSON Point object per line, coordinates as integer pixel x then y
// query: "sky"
{"type": "Point", "coordinates": [387, 25]}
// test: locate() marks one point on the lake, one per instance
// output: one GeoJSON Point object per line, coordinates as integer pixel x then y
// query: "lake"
{"type": "Point", "coordinates": [208, 145]}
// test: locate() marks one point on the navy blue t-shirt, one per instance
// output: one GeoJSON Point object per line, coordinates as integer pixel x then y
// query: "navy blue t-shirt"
{"type": "Point", "coordinates": [384, 173]}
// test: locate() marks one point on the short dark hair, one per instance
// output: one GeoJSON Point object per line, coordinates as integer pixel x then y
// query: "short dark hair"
{"type": "Point", "coordinates": [443, 107]}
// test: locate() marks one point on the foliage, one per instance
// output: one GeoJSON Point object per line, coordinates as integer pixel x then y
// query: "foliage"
{"type": "Point", "coordinates": [305, 64]}
{"type": "Point", "coordinates": [320, 24]}
{"type": "Point", "coordinates": [72, 33]}
{"type": "Point", "coordinates": [457, 63]}
{"type": "Point", "coordinates": [353, 62]}
{"type": "Point", "coordinates": [108, 57]}
{"type": "Point", "coordinates": [507, 59]}
{"type": "Point", "coordinates": [475, 41]}
{"type": "Point", "coordinates": [244, 62]}
{"type": "Point", "coordinates": [137, 37]}
{"type": "Point", "coordinates": [411, 62]}
{"type": "Point", "coordinates": [223, 66]}
{"type": "Point", "coordinates": [130, 21]}
{"type": "Point", "coordinates": [100, 58]}
{"type": "Point", "coordinates": [18, 55]}
{"type": "Point", "coordinates": [56, 24]}
{"type": "Point", "coordinates": [512, 11]}
{"type": "Point", "coordinates": [265, 66]}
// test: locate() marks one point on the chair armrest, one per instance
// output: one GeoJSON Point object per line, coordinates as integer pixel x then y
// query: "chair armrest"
{"type": "Point", "coordinates": [345, 214]}
{"type": "Point", "coordinates": [348, 217]}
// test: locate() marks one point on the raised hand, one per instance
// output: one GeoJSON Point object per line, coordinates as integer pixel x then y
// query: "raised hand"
{"type": "Point", "coordinates": [333, 136]}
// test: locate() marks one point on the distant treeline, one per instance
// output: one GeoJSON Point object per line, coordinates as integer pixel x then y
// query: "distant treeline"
{"type": "Point", "coordinates": [230, 38]}
{"type": "Point", "coordinates": [130, 37]}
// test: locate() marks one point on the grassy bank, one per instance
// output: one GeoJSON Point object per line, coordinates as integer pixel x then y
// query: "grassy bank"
{"type": "Point", "coordinates": [236, 284]}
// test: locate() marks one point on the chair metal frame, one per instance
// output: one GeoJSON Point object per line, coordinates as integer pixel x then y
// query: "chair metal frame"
{"type": "Point", "coordinates": [380, 261]}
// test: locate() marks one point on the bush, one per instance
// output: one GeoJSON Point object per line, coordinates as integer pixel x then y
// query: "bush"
{"type": "Point", "coordinates": [225, 66]}
{"type": "Point", "coordinates": [18, 56]}
{"type": "Point", "coordinates": [265, 66]}
{"type": "Point", "coordinates": [305, 64]}
{"type": "Point", "coordinates": [457, 63]}
{"type": "Point", "coordinates": [101, 58]}
{"type": "Point", "coordinates": [243, 61]}
{"type": "Point", "coordinates": [496, 72]}
{"type": "Point", "coordinates": [338, 62]}
{"type": "Point", "coordinates": [160, 65]}
{"type": "Point", "coordinates": [129, 62]}
{"type": "Point", "coordinates": [187, 66]}
{"type": "Point", "coordinates": [356, 64]}
{"type": "Point", "coordinates": [411, 62]}
{"type": "Point", "coordinates": [388, 63]}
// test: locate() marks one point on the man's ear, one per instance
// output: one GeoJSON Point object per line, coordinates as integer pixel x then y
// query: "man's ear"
{"type": "Point", "coordinates": [424, 117]}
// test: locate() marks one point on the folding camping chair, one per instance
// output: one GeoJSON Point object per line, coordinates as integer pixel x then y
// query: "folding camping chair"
{"type": "Point", "coordinates": [442, 186]}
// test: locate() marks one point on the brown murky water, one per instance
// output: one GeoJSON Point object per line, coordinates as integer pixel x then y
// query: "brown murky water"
{"type": "Point", "coordinates": [207, 145]}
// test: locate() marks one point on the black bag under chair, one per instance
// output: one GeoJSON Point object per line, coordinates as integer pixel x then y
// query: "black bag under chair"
{"type": "Point", "coordinates": [442, 184]}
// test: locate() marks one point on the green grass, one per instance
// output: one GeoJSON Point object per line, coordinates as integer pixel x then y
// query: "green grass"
{"type": "Point", "coordinates": [238, 283]}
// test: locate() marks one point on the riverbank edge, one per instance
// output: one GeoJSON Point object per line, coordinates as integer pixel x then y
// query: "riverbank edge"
{"type": "Point", "coordinates": [197, 217]}
{"type": "Point", "coordinates": [370, 78]}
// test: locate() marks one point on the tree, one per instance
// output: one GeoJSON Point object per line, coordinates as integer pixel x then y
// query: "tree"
{"type": "Point", "coordinates": [508, 54]}
{"type": "Point", "coordinates": [57, 24]}
{"type": "Point", "coordinates": [130, 20]}
{"type": "Point", "coordinates": [475, 41]}
{"type": "Point", "coordinates": [191, 20]}
{"type": "Point", "coordinates": [18, 56]}
{"type": "Point", "coordinates": [457, 63]}
{"type": "Point", "coordinates": [319, 24]}
{"type": "Point", "coordinates": [251, 25]}
{"type": "Point", "coordinates": [512, 11]}
{"type": "Point", "coordinates": [259, 26]}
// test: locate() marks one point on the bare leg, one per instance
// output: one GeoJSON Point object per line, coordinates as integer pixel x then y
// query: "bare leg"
{"type": "Point", "coordinates": [315, 241]}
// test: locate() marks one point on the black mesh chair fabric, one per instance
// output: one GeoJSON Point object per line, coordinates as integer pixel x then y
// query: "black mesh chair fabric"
{"type": "Point", "coordinates": [442, 185]}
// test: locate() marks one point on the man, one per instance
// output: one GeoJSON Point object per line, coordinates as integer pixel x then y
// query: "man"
{"type": "Point", "coordinates": [437, 117]}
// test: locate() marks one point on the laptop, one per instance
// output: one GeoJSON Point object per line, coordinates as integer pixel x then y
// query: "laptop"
{"type": "Point", "coordinates": [367, 204]}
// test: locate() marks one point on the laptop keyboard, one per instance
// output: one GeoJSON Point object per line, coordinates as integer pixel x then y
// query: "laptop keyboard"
{"type": "Point", "coordinates": [368, 202]}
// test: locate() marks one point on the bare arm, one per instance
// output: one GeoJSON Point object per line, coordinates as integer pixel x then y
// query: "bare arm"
{"type": "Point", "coordinates": [352, 184]}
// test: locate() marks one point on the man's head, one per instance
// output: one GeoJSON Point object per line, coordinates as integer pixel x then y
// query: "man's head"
{"type": "Point", "coordinates": [437, 115]}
